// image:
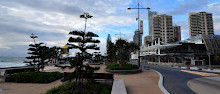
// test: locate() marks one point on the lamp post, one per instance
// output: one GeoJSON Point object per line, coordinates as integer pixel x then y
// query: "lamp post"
{"type": "Point", "coordinates": [209, 61]}
{"type": "Point", "coordinates": [139, 33]}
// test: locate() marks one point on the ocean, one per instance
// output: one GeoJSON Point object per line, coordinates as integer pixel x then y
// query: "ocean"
{"type": "Point", "coordinates": [6, 62]}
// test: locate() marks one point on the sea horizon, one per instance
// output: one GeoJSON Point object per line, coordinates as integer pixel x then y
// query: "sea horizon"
{"type": "Point", "coordinates": [6, 62]}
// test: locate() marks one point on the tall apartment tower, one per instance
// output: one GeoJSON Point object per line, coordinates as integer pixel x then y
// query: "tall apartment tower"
{"type": "Point", "coordinates": [163, 28]}
{"type": "Point", "coordinates": [200, 23]}
{"type": "Point", "coordinates": [109, 39]}
{"type": "Point", "coordinates": [136, 37]}
{"type": "Point", "coordinates": [150, 20]}
{"type": "Point", "coordinates": [177, 33]}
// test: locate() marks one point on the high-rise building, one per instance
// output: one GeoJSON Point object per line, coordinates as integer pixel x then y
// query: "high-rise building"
{"type": "Point", "coordinates": [177, 33]}
{"type": "Point", "coordinates": [150, 20]}
{"type": "Point", "coordinates": [163, 28]}
{"type": "Point", "coordinates": [109, 39]}
{"type": "Point", "coordinates": [200, 23]}
{"type": "Point", "coordinates": [136, 37]}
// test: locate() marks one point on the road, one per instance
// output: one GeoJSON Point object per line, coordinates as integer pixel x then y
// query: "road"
{"type": "Point", "coordinates": [175, 81]}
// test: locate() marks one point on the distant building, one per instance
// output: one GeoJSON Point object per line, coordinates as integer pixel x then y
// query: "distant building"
{"type": "Point", "coordinates": [200, 23]}
{"type": "Point", "coordinates": [136, 37]}
{"type": "Point", "coordinates": [177, 33]}
{"type": "Point", "coordinates": [109, 39]}
{"type": "Point", "coordinates": [150, 20]}
{"type": "Point", "coordinates": [163, 28]}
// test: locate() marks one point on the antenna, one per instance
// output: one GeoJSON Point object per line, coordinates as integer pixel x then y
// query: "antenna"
{"type": "Point", "coordinates": [119, 34]}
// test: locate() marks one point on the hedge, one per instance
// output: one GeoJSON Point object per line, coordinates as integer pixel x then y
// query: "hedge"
{"type": "Point", "coordinates": [121, 67]}
{"type": "Point", "coordinates": [34, 77]}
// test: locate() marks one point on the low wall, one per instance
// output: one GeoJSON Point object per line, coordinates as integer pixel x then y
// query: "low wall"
{"type": "Point", "coordinates": [164, 63]}
{"type": "Point", "coordinates": [118, 87]}
{"type": "Point", "coordinates": [124, 71]}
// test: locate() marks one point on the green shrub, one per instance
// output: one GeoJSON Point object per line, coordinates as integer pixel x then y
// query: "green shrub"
{"type": "Point", "coordinates": [34, 77]}
{"type": "Point", "coordinates": [88, 88]}
{"type": "Point", "coordinates": [121, 67]}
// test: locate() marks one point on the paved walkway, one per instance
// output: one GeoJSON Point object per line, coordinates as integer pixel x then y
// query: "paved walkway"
{"type": "Point", "coordinates": [27, 88]}
{"type": "Point", "coordinates": [205, 85]}
{"type": "Point", "coordinates": [145, 82]}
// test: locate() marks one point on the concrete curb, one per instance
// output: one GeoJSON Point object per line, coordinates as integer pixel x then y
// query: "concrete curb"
{"type": "Point", "coordinates": [119, 87]}
{"type": "Point", "coordinates": [124, 71]}
{"type": "Point", "coordinates": [160, 83]}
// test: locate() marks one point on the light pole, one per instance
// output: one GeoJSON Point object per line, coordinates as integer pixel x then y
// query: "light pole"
{"type": "Point", "coordinates": [139, 33]}
{"type": "Point", "coordinates": [209, 61]}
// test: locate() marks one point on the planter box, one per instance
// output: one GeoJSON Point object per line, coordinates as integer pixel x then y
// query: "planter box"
{"type": "Point", "coordinates": [124, 71]}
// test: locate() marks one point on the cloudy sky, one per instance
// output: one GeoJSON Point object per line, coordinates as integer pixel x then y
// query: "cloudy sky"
{"type": "Point", "coordinates": [51, 20]}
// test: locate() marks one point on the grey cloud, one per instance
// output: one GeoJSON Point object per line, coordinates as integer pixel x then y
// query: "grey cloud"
{"type": "Point", "coordinates": [18, 51]}
{"type": "Point", "coordinates": [46, 5]}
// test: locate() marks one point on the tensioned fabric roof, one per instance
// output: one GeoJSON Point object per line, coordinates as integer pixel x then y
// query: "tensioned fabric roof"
{"type": "Point", "coordinates": [212, 43]}
{"type": "Point", "coordinates": [154, 47]}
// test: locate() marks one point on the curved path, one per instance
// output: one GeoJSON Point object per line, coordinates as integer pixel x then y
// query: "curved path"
{"type": "Point", "coordinates": [175, 81]}
{"type": "Point", "coordinates": [145, 82]}
{"type": "Point", "coordinates": [205, 85]}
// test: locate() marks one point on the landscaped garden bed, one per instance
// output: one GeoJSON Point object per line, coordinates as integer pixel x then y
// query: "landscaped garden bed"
{"type": "Point", "coordinates": [34, 77]}
{"type": "Point", "coordinates": [88, 88]}
{"type": "Point", "coordinates": [121, 67]}
{"type": "Point", "coordinates": [126, 68]}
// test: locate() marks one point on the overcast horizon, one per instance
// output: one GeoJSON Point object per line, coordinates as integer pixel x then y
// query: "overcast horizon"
{"type": "Point", "coordinates": [52, 20]}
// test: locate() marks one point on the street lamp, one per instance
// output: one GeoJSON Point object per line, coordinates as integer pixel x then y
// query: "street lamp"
{"type": "Point", "coordinates": [209, 61]}
{"type": "Point", "coordinates": [139, 40]}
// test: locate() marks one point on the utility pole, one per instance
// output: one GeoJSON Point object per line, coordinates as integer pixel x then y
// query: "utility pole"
{"type": "Point", "coordinates": [139, 38]}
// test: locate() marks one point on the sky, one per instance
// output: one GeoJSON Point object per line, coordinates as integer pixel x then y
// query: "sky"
{"type": "Point", "coordinates": [52, 20]}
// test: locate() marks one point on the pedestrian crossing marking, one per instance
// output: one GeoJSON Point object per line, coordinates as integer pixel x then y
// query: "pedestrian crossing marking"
{"type": "Point", "coordinates": [200, 73]}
